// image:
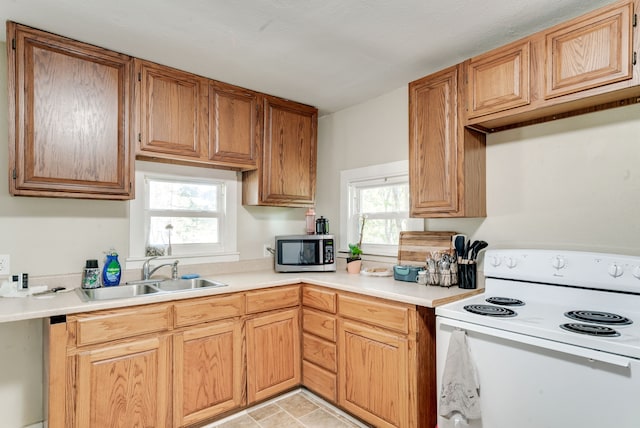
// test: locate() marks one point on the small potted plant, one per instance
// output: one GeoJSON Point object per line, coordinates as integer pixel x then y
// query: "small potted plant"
{"type": "Point", "coordinates": [354, 263]}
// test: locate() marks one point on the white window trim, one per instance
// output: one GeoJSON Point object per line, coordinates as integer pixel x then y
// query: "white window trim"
{"type": "Point", "coordinates": [137, 239]}
{"type": "Point", "coordinates": [373, 172]}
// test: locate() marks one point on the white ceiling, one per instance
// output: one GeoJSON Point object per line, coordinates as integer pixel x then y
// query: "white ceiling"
{"type": "Point", "coordinates": [328, 53]}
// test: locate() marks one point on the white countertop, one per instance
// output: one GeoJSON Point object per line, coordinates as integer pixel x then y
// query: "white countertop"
{"type": "Point", "coordinates": [69, 302]}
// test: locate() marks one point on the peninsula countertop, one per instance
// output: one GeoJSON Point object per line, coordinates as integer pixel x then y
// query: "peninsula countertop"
{"type": "Point", "coordinates": [69, 301]}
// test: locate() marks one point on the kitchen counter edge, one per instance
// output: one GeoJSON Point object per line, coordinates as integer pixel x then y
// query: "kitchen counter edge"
{"type": "Point", "coordinates": [66, 303]}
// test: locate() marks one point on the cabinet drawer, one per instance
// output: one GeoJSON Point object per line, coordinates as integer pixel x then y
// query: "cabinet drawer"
{"type": "Point", "coordinates": [319, 324]}
{"type": "Point", "coordinates": [320, 381]}
{"type": "Point", "coordinates": [319, 298]}
{"type": "Point", "coordinates": [273, 298]}
{"type": "Point", "coordinates": [208, 309]}
{"type": "Point", "coordinates": [109, 325]}
{"type": "Point", "coordinates": [320, 352]}
{"type": "Point", "coordinates": [392, 316]}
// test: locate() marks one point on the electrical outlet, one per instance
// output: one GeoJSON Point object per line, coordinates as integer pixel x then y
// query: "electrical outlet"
{"type": "Point", "coordinates": [265, 250]}
{"type": "Point", "coordinates": [5, 268]}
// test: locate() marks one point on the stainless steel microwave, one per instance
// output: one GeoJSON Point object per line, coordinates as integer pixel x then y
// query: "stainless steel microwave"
{"type": "Point", "coordinates": [305, 253]}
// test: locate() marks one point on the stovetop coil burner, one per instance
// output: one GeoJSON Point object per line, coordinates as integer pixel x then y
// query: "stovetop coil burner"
{"type": "Point", "coordinates": [590, 329]}
{"type": "Point", "coordinates": [598, 317]}
{"type": "Point", "coordinates": [490, 310]}
{"type": "Point", "coordinates": [504, 301]}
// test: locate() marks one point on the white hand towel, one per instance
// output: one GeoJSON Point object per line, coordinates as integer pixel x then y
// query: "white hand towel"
{"type": "Point", "coordinates": [460, 387]}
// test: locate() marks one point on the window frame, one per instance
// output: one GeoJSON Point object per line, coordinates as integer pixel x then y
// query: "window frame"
{"type": "Point", "coordinates": [368, 177]}
{"type": "Point", "coordinates": [139, 215]}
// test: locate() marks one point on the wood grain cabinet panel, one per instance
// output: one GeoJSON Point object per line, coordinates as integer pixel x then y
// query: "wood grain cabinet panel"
{"type": "Point", "coordinates": [69, 110]}
{"type": "Point", "coordinates": [124, 385]}
{"type": "Point", "coordinates": [113, 324]}
{"type": "Point", "coordinates": [286, 174]}
{"type": "Point", "coordinates": [320, 381]}
{"type": "Point", "coordinates": [319, 324]}
{"type": "Point", "coordinates": [172, 111]}
{"type": "Point", "coordinates": [446, 160]}
{"type": "Point", "coordinates": [499, 80]}
{"type": "Point", "coordinates": [208, 370]}
{"type": "Point", "coordinates": [273, 354]}
{"type": "Point", "coordinates": [199, 311]}
{"type": "Point", "coordinates": [590, 52]}
{"type": "Point", "coordinates": [320, 352]}
{"type": "Point", "coordinates": [235, 116]}
{"type": "Point", "coordinates": [319, 298]}
{"type": "Point", "coordinates": [272, 298]}
{"type": "Point", "coordinates": [373, 379]}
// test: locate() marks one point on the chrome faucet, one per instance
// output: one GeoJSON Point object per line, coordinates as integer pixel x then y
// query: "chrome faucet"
{"type": "Point", "coordinates": [148, 270]}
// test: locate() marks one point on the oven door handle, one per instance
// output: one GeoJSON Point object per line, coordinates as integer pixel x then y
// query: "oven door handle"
{"type": "Point", "coordinates": [590, 354]}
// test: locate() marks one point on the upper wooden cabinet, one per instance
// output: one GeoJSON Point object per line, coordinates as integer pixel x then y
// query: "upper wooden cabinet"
{"type": "Point", "coordinates": [235, 118]}
{"type": "Point", "coordinates": [286, 175]}
{"type": "Point", "coordinates": [499, 80]}
{"type": "Point", "coordinates": [185, 118]}
{"type": "Point", "coordinates": [69, 110]}
{"type": "Point", "coordinates": [570, 68]}
{"type": "Point", "coordinates": [172, 111]}
{"type": "Point", "coordinates": [446, 161]}
{"type": "Point", "coordinates": [590, 51]}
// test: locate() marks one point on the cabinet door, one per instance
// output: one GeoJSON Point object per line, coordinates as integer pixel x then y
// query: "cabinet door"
{"type": "Point", "coordinates": [124, 385]}
{"type": "Point", "coordinates": [172, 111]}
{"type": "Point", "coordinates": [433, 142]}
{"type": "Point", "coordinates": [69, 110]}
{"type": "Point", "coordinates": [373, 379]}
{"type": "Point", "coordinates": [499, 80]}
{"type": "Point", "coordinates": [273, 354]}
{"type": "Point", "coordinates": [287, 172]}
{"type": "Point", "coordinates": [591, 51]}
{"type": "Point", "coordinates": [234, 118]}
{"type": "Point", "coordinates": [208, 371]}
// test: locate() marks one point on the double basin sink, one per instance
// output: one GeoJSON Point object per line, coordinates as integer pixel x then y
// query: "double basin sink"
{"type": "Point", "coordinates": [146, 288]}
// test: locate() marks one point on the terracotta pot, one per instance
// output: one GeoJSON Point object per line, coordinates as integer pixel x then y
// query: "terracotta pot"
{"type": "Point", "coordinates": [354, 266]}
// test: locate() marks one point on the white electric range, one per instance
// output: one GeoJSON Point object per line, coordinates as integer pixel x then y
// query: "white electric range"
{"type": "Point", "coordinates": [554, 337]}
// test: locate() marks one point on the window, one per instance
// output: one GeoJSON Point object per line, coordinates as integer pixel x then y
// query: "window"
{"type": "Point", "coordinates": [183, 212]}
{"type": "Point", "coordinates": [379, 195]}
{"type": "Point", "coordinates": [184, 215]}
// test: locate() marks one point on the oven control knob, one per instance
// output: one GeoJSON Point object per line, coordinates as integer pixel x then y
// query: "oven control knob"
{"type": "Point", "coordinates": [494, 261]}
{"type": "Point", "coordinates": [510, 262]}
{"type": "Point", "coordinates": [636, 272]}
{"type": "Point", "coordinates": [615, 270]}
{"type": "Point", "coordinates": [558, 262]}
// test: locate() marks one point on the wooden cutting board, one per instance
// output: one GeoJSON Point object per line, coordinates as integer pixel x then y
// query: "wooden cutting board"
{"type": "Point", "coordinates": [414, 247]}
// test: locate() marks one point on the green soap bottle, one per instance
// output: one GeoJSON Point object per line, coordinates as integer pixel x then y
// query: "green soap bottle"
{"type": "Point", "coordinates": [112, 270]}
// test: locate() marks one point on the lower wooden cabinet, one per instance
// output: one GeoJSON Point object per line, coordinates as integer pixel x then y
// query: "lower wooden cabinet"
{"type": "Point", "coordinates": [273, 354]}
{"type": "Point", "coordinates": [208, 370]}
{"type": "Point", "coordinates": [374, 374]}
{"type": "Point", "coordinates": [189, 362]}
{"type": "Point", "coordinates": [124, 384]}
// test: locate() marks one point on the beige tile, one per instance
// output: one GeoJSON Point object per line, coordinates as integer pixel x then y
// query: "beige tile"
{"type": "Point", "coordinates": [280, 420]}
{"type": "Point", "coordinates": [297, 405]}
{"type": "Point", "coordinates": [322, 419]}
{"type": "Point", "coordinates": [263, 412]}
{"type": "Point", "coordinates": [244, 421]}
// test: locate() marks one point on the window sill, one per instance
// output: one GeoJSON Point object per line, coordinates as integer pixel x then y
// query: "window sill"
{"type": "Point", "coordinates": [383, 258]}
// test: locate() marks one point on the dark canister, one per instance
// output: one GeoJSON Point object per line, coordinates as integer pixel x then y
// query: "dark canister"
{"type": "Point", "coordinates": [322, 226]}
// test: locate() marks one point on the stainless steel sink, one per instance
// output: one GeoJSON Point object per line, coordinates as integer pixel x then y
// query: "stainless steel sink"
{"type": "Point", "coordinates": [118, 292]}
{"type": "Point", "coordinates": [187, 284]}
{"type": "Point", "coordinates": [145, 288]}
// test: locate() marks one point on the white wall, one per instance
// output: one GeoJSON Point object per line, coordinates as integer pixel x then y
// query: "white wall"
{"type": "Point", "coordinates": [568, 184]}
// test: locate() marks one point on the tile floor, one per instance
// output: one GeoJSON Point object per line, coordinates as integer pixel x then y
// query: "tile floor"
{"type": "Point", "coordinates": [297, 409]}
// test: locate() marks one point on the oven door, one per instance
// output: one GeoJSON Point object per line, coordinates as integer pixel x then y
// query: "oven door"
{"type": "Point", "coordinates": [299, 253]}
{"type": "Point", "coordinates": [527, 382]}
